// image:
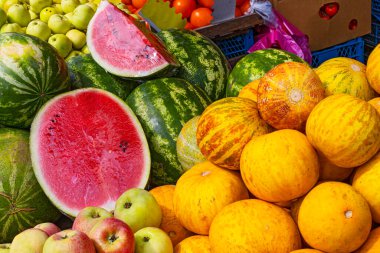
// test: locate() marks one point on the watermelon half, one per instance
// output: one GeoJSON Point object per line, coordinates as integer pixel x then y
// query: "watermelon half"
{"type": "Point", "coordinates": [124, 47]}
{"type": "Point", "coordinates": [87, 148]}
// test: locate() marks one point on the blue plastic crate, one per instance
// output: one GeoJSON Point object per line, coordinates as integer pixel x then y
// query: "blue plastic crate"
{"type": "Point", "coordinates": [352, 49]}
{"type": "Point", "coordinates": [236, 45]}
{"type": "Point", "coordinates": [373, 38]}
{"type": "Point", "coordinates": [376, 8]}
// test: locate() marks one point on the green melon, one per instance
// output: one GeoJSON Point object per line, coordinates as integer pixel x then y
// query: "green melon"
{"type": "Point", "coordinates": [23, 204]}
{"type": "Point", "coordinates": [163, 106]}
{"type": "Point", "coordinates": [254, 66]}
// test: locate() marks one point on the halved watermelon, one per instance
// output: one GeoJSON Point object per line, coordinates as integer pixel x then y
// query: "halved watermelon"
{"type": "Point", "coordinates": [87, 148]}
{"type": "Point", "coordinates": [124, 47]}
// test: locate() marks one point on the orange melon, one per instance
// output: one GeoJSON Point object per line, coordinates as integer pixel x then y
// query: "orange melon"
{"type": "Point", "coordinates": [330, 172]}
{"type": "Point", "coordinates": [250, 90]}
{"type": "Point", "coordinates": [372, 245]}
{"type": "Point", "coordinates": [194, 244]}
{"type": "Point", "coordinates": [375, 102]}
{"type": "Point", "coordinates": [373, 65]}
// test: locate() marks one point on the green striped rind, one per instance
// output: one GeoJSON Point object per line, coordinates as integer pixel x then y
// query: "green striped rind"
{"type": "Point", "coordinates": [31, 72]}
{"type": "Point", "coordinates": [163, 106]}
{"type": "Point", "coordinates": [23, 204]}
{"type": "Point", "coordinates": [85, 72]}
{"type": "Point", "coordinates": [188, 151]}
{"type": "Point", "coordinates": [254, 66]}
{"type": "Point", "coordinates": [203, 63]}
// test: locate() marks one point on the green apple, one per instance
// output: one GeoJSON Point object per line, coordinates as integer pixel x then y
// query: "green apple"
{"type": "Point", "coordinates": [5, 248]}
{"type": "Point", "coordinates": [30, 240]}
{"type": "Point", "coordinates": [73, 54]}
{"type": "Point", "coordinates": [8, 3]}
{"type": "Point", "coordinates": [138, 208]}
{"type": "Point", "coordinates": [46, 13]}
{"type": "Point", "coordinates": [61, 43]}
{"type": "Point", "coordinates": [83, 1]}
{"type": "Point", "coordinates": [17, 13]}
{"type": "Point", "coordinates": [3, 17]}
{"type": "Point", "coordinates": [58, 8]}
{"type": "Point", "coordinates": [152, 240]}
{"type": "Point", "coordinates": [85, 49]}
{"type": "Point", "coordinates": [69, 5]}
{"type": "Point", "coordinates": [2, 3]}
{"type": "Point", "coordinates": [56, 1]}
{"type": "Point", "coordinates": [92, 5]}
{"type": "Point", "coordinates": [82, 16]}
{"type": "Point", "coordinates": [38, 5]}
{"type": "Point", "coordinates": [39, 29]}
{"type": "Point", "coordinates": [58, 23]}
{"type": "Point", "coordinates": [89, 216]}
{"type": "Point", "coordinates": [69, 16]}
{"type": "Point", "coordinates": [11, 27]}
{"type": "Point", "coordinates": [78, 38]}
{"type": "Point", "coordinates": [33, 15]}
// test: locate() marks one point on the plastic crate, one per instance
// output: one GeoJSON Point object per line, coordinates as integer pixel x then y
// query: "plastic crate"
{"type": "Point", "coordinates": [376, 9]}
{"type": "Point", "coordinates": [373, 38]}
{"type": "Point", "coordinates": [236, 45]}
{"type": "Point", "coordinates": [352, 49]}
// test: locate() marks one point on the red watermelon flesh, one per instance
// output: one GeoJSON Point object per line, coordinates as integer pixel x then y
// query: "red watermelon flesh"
{"type": "Point", "coordinates": [87, 149]}
{"type": "Point", "coordinates": [125, 47]}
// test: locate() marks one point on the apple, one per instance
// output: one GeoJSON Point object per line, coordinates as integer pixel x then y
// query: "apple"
{"type": "Point", "coordinates": [58, 23]}
{"type": "Point", "coordinates": [30, 240]}
{"type": "Point", "coordinates": [112, 236]}
{"type": "Point", "coordinates": [2, 3]}
{"type": "Point", "coordinates": [9, 3]}
{"type": "Point", "coordinates": [5, 248]}
{"type": "Point", "coordinates": [11, 27]}
{"type": "Point", "coordinates": [152, 240]}
{"type": "Point", "coordinates": [138, 208]}
{"type": "Point", "coordinates": [39, 29]}
{"type": "Point", "coordinates": [61, 43]}
{"type": "Point", "coordinates": [38, 5]}
{"type": "Point", "coordinates": [69, 241]}
{"type": "Point", "coordinates": [85, 50]}
{"type": "Point", "coordinates": [58, 8]}
{"type": "Point", "coordinates": [83, 1]}
{"type": "Point", "coordinates": [46, 13]}
{"type": "Point", "coordinates": [78, 38]}
{"type": "Point", "coordinates": [17, 13]}
{"type": "Point", "coordinates": [48, 227]}
{"type": "Point", "coordinates": [69, 5]}
{"type": "Point", "coordinates": [92, 5]}
{"type": "Point", "coordinates": [82, 16]}
{"type": "Point", "coordinates": [73, 54]}
{"type": "Point", "coordinates": [89, 216]}
{"type": "Point", "coordinates": [56, 1]}
{"type": "Point", "coordinates": [3, 17]}
{"type": "Point", "coordinates": [33, 15]}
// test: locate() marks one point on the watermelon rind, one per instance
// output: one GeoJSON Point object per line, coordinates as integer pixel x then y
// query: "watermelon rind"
{"type": "Point", "coordinates": [23, 204]}
{"type": "Point", "coordinates": [163, 106]}
{"type": "Point", "coordinates": [34, 147]}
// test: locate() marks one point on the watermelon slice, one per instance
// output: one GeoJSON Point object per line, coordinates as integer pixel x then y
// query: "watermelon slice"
{"type": "Point", "coordinates": [125, 47]}
{"type": "Point", "coordinates": [87, 148]}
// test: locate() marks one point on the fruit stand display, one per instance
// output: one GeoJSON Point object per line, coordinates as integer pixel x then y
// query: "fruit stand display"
{"type": "Point", "coordinates": [157, 142]}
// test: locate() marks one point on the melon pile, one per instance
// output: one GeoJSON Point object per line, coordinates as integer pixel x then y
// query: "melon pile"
{"type": "Point", "coordinates": [271, 156]}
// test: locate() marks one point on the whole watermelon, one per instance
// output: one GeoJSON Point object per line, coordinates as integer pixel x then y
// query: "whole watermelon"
{"type": "Point", "coordinates": [202, 63]}
{"type": "Point", "coordinates": [23, 204]}
{"type": "Point", "coordinates": [253, 66]}
{"type": "Point", "coordinates": [163, 106]}
{"type": "Point", "coordinates": [31, 72]}
{"type": "Point", "coordinates": [85, 72]}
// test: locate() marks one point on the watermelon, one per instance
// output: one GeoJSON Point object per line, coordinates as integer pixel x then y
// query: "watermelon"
{"type": "Point", "coordinates": [253, 66]}
{"type": "Point", "coordinates": [87, 148]}
{"type": "Point", "coordinates": [124, 47]}
{"type": "Point", "coordinates": [31, 72]}
{"type": "Point", "coordinates": [203, 64]}
{"type": "Point", "coordinates": [163, 106]}
{"type": "Point", "coordinates": [23, 204]}
{"type": "Point", "coordinates": [85, 72]}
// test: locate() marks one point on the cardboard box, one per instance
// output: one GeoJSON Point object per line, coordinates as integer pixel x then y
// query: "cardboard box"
{"type": "Point", "coordinates": [304, 14]}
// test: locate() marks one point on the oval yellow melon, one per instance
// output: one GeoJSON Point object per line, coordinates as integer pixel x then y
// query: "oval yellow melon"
{"type": "Point", "coordinates": [345, 75]}
{"type": "Point", "coordinates": [225, 127]}
{"type": "Point", "coordinates": [375, 102]}
{"type": "Point", "coordinates": [372, 245]}
{"type": "Point", "coordinates": [250, 90]}
{"type": "Point", "coordinates": [334, 217]}
{"type": "Point", "coordinates": [345, 129]}
{"type": "Point", "coordinates": [287, 94]}
{"type": "Point", "coordinates": [279, 166]}
{"type": "Point", "coordinates": [307, 251]}
{"type": "Point", "coordinates": [366, 180]}
{"type": "Point", "coordinates": [194, 244]}
{"type": "Point", "coordinates": [169, 223]}
{"type": "Point", "coordinates": [373, 65]}
{"type": "Point", "coordinates": [253, 226]}
{"type": "Point", "coordinates": [202, 191]}
{"type": "Point", "coordinates": [330, 172]}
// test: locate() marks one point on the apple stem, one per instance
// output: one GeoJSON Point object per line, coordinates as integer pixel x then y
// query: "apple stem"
{"type": "Point", "coordinates": [112, 238]}
{"type": "Point", "coordinates": [146, 239]}
{"type": "Point", "coordinates": [127, 205]}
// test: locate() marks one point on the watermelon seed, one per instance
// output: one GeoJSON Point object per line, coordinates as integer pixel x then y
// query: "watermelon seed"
{"type": "Point", "coordinates": [112, 238]}
{"type": "Point", "coordinates": [127, 205]}
{"type": "Point", "coordinates": [146, 239]}
{"type": "Point", "coordinates": [123, 145]}
{"type": "Point", "coordinates": [53, 120]}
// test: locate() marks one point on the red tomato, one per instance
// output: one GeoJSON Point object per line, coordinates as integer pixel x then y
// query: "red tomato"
{"type": "Point", "coordinates": [126, 1]}
{"type": "Point", "coordinates": [245, 6]}
{"type": "Point", "coordinates": [131, 8]}
{"type": "Point", "coordinates": [239, 2]}
{"type": "Point", "coordinates": [138, 3]}
{"type": "Point", "coordinates": [185, 7]}
{"type": "Point", "coordinates": [206, 3]}
{"type": "Point", "coordinates": [201, 17]}
{"type": "Point", "coordinates": [238, 12]}
{"type": "Point", "coordinates": [189, 26]}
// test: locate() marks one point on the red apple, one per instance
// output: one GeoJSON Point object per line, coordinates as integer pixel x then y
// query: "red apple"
{"type": "Point", "coordinates": [49, 228]}
{"type": "Point", "coordinates": [88, 217]}
{"type": "Point", "coordinates": [69, 241]}
{"type": "Point", "coordinates": [113, 236]}
{"type": "Point", "coordinates": [30, 240]}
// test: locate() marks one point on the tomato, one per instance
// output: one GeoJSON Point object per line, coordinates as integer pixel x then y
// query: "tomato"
{"type": "Point", "coordinates": [238, 12]}
{"type": "Point", "coordinates": [185, 7]}
{"type": "Point", "coordinates": [131, 8]}
{"type": "Point", "coordinates": [189, 26]}
{"type": "Point", "coordinates": [201, 17]}
{"type": "Point", "coordinates": [206, 3]}
{"type": "Point", "coordinates": [138, 3]}
{"type": "Point", "coordinates": [126, 1]}
{"type": "Point", "coordinates": [239, 2]}
{"type": "Point", "coordinates": [245, 6]}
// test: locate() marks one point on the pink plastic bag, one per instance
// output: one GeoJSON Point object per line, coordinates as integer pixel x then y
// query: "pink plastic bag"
{"type": "Point", "coordinates": [280, 33]}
